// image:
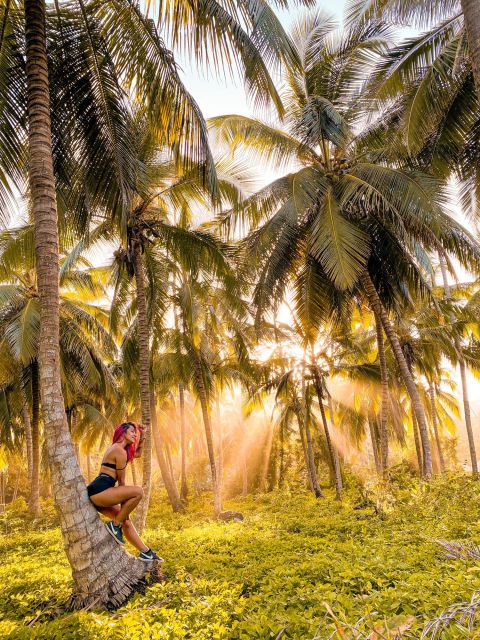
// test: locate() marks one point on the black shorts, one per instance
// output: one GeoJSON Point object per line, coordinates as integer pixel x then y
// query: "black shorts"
{"type": "Point", "coordinates": [101, 483]}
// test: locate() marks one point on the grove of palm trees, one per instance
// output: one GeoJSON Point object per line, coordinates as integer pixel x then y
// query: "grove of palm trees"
{"type": "Point", "coordinates": [239, 349]}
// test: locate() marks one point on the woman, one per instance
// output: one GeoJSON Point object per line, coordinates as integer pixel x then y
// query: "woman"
{"type": "Point", "coordinates": [117, 502]}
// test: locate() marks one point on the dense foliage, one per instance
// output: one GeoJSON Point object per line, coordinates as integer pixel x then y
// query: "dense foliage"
{"type": "Point", "coordinates": [295, 563]}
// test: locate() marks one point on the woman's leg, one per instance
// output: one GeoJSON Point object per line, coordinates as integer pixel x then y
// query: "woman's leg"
{"type": "Point", "coordinates": [129, 530]}
{"type": "Point", "coordinates": [128, 497]}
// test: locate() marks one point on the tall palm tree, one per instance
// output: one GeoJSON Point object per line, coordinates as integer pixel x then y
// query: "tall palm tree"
{"type": "Point", "coordinates": [116, 41]}
{"type": "Point", "coordinates": [333, 225]}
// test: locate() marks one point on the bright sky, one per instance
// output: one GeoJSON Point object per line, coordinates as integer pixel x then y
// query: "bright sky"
{"type": "Point", "coordinates": [217, 97]}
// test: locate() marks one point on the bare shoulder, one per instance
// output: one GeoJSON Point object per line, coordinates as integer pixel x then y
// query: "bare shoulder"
{"type": "Point", "coordinates": [119, 451]}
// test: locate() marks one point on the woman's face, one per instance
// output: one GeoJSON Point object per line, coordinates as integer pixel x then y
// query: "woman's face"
{"type": "Point", "coordinates": [131, 434]}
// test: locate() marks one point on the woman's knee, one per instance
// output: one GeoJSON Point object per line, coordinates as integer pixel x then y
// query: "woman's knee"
{"type": "Point", "coordinates": [138, 492]}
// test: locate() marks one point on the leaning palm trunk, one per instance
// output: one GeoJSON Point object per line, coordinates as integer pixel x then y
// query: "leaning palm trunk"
{"type": "Point", "coordinates": [441, 459]}
{"type": "Point", "coordinates": [183, 444]}
{"type": "Point", "coordinates": [34, 498]}
{"type": "Point", "coordinates": [144, 371]}
{"type": "Point", "coordinates": [167, 478]}
{"type": "Point", "coordinates": [384, 403]}
{"type": "Point", "coordinates": [463, 376]}
{"type": "Point", "coordinates": [471, 14]}
{"type": "Point", "coordinates": [334, 460]}
{"type": "Point", "coordinates": [103, 574]}
{"type": "Point", "coordinates": [202, 396]}
{"type": "Point", "coordinates": [417, 408]}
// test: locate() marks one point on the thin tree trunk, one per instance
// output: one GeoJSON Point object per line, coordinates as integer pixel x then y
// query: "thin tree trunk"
{"type": "Point", "coordinates": [378, 308]}
{"type": "Point", "coordinates": [103, 574]}
{"type": "Point", "coordinates": [375, 445]}
{"type": "Point", "coordinates": [167, 477]}
{"type": "Point", "coordinates": [220, 447]}
{"type": "Point", "coordinates": [202, 396]}
{"type": "Point", "coordinates": [183, 444]}
{"type": "Point", "coordinates": [27, 425]}
{"type": "Point", "coordinates": [441, 459]}
{"type": "Point", "coordinates": [463, 376]}
{"type": "Point", "coordinates": [244, 474]}
{"type": "Point", "coordinates": [34, 498]}
{"type": "Point", "coordinates": [133, 469]}
{"type": "Point", "coordinates": [281, 473]}
{"type": "Point", "coordinates": [144, 372]}
{"type": "Point", "coordinates": [384, 402]}
{"type": "Point", "coordinates": [15, 489]}
{"type": "Point", "coordinates": [305, 454]}
{"type": "Point", "coordinates": [418, 446]}
{"type": "Point", "coordinates": [336, 455]}
{"type": "Point", "coordinates": [471, 14]}
{"type": "Point", "coordinates": [334, 460]}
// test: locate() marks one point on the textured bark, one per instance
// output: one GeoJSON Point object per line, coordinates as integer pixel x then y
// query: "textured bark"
{"type": "Point", "coordinates": [202, 396]}
{"type": "Point", "coordinates": [418, 446]}
{"type": "Point", "coordinates": [34, 497]}
{"type": "Point", "coordinates": [144, 374]}
{"type": "Point", "coordinates": [384, 402]}
{"type": "Point", "coordinates": [27, 425]}
{"type": "Point", "coordinates": [375, 444]}
{"type": "Point", "coordinates": [334, 460]}
{"type": "Point", "coordinates": [441, 459]}
{"type": "Point", "coordinates": [167, 478]}
{"type": "Point", "coordinates": [183, 444]}
{"type": "Point", "coordinates": [463, 377]}
{"type": "Point", "coordinates": [306, 436]}
{"type": "Point", "coordinates": [378, 308]}
{"type": "Point", "coordinates": [103, 574]}
{"type": "Point", "coordinates": [471, 13]}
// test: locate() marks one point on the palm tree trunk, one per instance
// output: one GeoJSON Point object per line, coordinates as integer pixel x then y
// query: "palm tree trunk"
{"type": "Point", "coordinates": [220, 447]}
{"type": "Point", "coordinates": [34, 498]}
{"type": "Point", "coordinates": [27, 425]}
{"type": "Point", "coordinates": [441, 459]}
{"type": "Point", "coordinates": [144, 362]}
{"type": "Point", "coordinates": [418, 446]}
{"type": "Point", "coordinates": [305, 454]}
{"type": "Point", "coordinates": [103, 574]}
{"type": "Point", "coordinates": [463, 376]}
{"type": "Point", "coordinates": [202, 396]}
{"type": "Point", "coordinates": [384, 402]}
{"type": "Point", "coordinates": [308, 451]}
{"type": "Point", "coordinates": [378, 308]}
{"type": "Point", "coordinates": [281, 472]}
{"type": "Point", "coordinates": [471, 14]}
{"type": "Point", "coordinates": [244, 474]}
{"type": "Point", "coordinates": [375, 445]}
{"type": "Point", "coordinates": [133, 469]}
{"type": "Point", "coordinates": [334, 460]}
{"type": "Point", "coordinates": [183, 444]}
{"type": "Point", "coordinates": [167, 477]}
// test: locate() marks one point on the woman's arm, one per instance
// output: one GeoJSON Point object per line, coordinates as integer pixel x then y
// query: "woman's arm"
{"type": "Point", "coordinates": [121, 464]}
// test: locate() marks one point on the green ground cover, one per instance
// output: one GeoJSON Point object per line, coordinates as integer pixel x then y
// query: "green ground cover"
{"type": "Point", "coordinates": [292, 564]}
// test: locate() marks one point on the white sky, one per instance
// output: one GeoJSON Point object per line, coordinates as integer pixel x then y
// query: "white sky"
{"type": "Point", "coordinates": [217, 97]}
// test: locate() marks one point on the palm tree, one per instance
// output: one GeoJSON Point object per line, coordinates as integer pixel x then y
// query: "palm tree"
{"type": "Point", "coordinates": [111, 37]}
{"type": "Point", "coordinates": [333, 225]}
{"type": "Point", "coordinates": [422, 14]}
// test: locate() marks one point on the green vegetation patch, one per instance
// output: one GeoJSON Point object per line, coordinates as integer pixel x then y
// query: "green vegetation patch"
{"type": "Point", "coordinates": [295, 563]}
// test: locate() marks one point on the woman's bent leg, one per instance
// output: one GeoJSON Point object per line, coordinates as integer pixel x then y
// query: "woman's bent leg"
{"type": "Point", "coordinates": [131, 534]}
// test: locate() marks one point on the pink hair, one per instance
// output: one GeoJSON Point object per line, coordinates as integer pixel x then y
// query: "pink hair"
{"type": "Point", "coordinates": [120, 432]}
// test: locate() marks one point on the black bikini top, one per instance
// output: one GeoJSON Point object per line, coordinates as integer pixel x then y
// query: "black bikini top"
{"type": "Point", "coordinates": [112, 465]}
